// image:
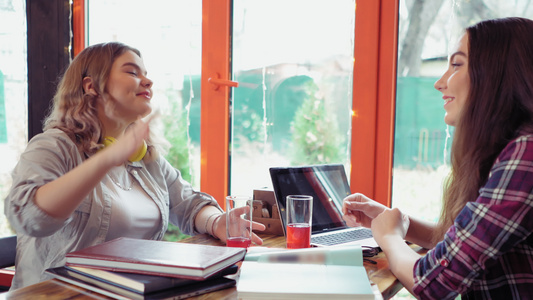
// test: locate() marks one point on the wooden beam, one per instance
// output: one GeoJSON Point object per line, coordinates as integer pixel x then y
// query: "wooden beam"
{"type": "Point", "coordinates": [78, 26]}
{"type": "Point", "coordinates": [374, 94]}
{"type": "Point", "coordinates": [365, 89]}
{"type": "Point", "coordinates": [48, 55]}
{"type": "Point", "coordinates": [214, 131]}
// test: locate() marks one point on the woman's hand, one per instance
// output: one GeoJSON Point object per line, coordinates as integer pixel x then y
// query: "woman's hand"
{"type": "Point", "coordinates": [389, 229]}
{"type": "Point", "coordinates": [391, 222]}
{"type": "Point", "coordinates": [219, 228]}
{"type": "Point", "coordinates": [130, 142]}
{"type": "Point", "coordinates": [359, 210]}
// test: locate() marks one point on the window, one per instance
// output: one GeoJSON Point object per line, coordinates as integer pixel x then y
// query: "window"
{"type": "Point", "coordinates": [13, 95]}
{"type": "Point", "coordinates": [294, 64]}
{"type": "Point", "coordinates": [171, 45]}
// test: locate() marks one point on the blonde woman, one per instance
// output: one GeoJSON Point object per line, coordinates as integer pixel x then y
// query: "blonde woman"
{"type": "Point", "coordinates": [94, 174]}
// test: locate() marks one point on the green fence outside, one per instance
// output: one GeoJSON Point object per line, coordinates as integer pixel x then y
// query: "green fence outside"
{"type": "Point", "coordinates": [420, 132]}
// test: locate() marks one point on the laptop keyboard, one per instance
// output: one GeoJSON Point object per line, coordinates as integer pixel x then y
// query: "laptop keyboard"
{"type": "Point", "coordinates": [342, 237]}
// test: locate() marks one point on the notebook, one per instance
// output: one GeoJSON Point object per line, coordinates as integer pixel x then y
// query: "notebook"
{"type": "Point", "coordinates": [328, 185]}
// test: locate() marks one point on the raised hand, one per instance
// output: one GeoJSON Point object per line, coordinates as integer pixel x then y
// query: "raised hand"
{"type": "Point", "coordinates": [359, 210]}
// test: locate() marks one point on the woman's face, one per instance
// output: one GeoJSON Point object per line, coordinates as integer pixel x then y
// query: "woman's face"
{"type": "Point", "coordinates": [455, 83]}
{"type": "Point", "coordinates": [129, 87]}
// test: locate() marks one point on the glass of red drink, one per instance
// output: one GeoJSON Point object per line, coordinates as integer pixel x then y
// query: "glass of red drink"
{"type": "Point", "coordinates": [239, 221]}
{"type": "Point", "coordinates": [299, 221]}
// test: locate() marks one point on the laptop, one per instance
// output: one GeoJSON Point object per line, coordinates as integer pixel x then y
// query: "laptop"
{"type": "Point", "coordinates": [328, 185]}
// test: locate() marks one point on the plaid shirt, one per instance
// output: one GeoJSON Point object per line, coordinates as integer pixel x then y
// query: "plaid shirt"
{"type": "Point", "coordinates": [488, 252]}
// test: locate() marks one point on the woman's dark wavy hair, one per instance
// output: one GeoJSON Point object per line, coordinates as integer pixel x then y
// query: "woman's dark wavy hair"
{"type": "Point", "coordinates": [74, 111]}
{"type": "Point", "coordinates": [498, 108]}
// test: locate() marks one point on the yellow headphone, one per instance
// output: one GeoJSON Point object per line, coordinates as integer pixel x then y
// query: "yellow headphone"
{"type": "Point", "coordinates": [137, 156]}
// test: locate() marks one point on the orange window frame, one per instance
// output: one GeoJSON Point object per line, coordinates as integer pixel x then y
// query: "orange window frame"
{"type": "Point", "coordinates": [78, 26]}
{"type": "Point", "coordinates": [374, 92]}
{"type": "Point", "coordinates": [215, 114]}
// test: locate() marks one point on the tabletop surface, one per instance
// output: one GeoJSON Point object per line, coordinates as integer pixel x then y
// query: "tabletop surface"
{"type": "Point", "coordinates": [383, 281]}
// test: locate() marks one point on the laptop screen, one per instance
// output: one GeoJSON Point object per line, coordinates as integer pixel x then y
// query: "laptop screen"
{"type": "Point", "coordinates": [326, 183]}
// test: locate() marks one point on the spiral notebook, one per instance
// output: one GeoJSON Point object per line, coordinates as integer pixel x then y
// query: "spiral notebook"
{"type": "Point", "coordinates": [328, 185]}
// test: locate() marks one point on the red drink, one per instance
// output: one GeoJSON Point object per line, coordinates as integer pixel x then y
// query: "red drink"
{"type": "Point", "coordinates": [238, 242]}
{"type": "Point", "coordinates": [298, 236]}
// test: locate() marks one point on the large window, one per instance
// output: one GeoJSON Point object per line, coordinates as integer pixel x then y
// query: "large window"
{"type": "Point", "coordinates": [422, 140]}
{"type": "Point", "coordinates": [13, 95]}
{"type": "Point", "coordinates": [294, 64]}
{"type": "Point", "coordinates": [293, 104]}
{"type": "Point", "coordinates": [291, 59]}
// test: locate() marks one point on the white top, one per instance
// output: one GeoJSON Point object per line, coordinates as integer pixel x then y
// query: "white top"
{"type": "Point", "coordinates": [133, 213]}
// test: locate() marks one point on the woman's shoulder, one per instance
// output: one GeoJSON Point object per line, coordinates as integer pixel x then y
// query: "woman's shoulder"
{"type": "Point", "coordinates": [53, 134]}
{"type": "Point", "coordinates": [52, 139]}
{"type": "Point", "coordinates": [520, 148]}
{"type": "Point", "coordinates": [523, 140]}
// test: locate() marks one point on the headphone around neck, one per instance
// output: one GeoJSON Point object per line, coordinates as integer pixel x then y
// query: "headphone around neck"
{"type": "Point", "coordinates": [137, 156]}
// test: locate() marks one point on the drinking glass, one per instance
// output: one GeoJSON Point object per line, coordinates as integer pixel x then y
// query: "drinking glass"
{"type": "Point", "coordinates": [239, 221]}
{"type": "Point", "coordinates": [299, 221]}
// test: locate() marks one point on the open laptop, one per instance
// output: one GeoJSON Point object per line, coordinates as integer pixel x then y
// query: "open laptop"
{"type": "Point", "coordinates": [329, 186]}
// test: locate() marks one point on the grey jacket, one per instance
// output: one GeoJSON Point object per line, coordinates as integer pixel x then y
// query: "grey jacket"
{"type": "Point", "coordinates": [43, 240]}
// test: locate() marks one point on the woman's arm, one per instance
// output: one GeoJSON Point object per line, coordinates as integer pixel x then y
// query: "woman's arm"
{"type": "Point", "coordinates": [205, 219]}
{"type": "Point", "coordinates": [389, 230]}
{"type": "Point", "coordinates": [420, 232]}
{"type": "Point", "coordinates": [59, 198]}
{"type": "Point", "coordinates": [359, 210]}
{"type": "Point", "coordinates": [401, 259]}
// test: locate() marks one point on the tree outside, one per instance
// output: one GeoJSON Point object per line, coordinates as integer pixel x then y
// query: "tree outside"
{"type": "Point", "coordinates": [315, 134]}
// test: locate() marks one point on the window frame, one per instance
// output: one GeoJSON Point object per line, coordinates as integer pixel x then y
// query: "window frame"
{"type": "Point", "coordinates": [374, 97]}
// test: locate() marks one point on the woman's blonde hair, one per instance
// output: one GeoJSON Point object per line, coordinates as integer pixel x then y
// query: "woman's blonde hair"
{"type": "Point", "coordinates": [498, 109]}
{"type": "Point", "coordinates": [74, 111]}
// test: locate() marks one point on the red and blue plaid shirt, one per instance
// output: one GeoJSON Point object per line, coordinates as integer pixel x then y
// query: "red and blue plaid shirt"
{"type": "Point", "coordinates": [488, 252]}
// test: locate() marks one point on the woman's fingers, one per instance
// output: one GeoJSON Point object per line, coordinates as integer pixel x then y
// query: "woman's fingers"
{"type": "Point", "coordinates": [236, 223]}
{"type": "Point", "coordinates": [351, 220]}
{"type": "Point", "coordinates": [258, 226]}
{"type": "Point", "coordinates": [256, 239]}
{"type": "Point", "coordinates": [391, 221]}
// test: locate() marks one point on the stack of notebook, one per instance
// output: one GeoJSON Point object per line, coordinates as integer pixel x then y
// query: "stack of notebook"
{"type": "Point", "coordinates": [143, 269]}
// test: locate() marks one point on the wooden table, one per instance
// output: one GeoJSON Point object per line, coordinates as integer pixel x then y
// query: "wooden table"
{"type": "Point", "coordinates": [379, 274]}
